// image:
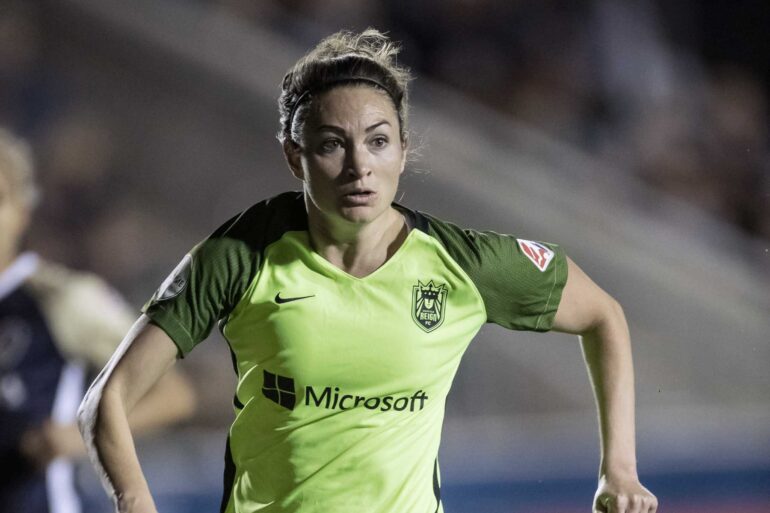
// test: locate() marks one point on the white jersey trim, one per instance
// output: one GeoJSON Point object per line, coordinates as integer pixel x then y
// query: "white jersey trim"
{"type": "Point", "coordinates": [60, 474]}
{"type": "Point", "coordinates": [19, 270]}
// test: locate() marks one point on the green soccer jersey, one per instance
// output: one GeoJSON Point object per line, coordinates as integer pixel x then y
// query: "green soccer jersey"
{"type": "Point", "coordinates": [342, 380]}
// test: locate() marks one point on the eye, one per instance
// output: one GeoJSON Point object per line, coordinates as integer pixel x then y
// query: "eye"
{"type": "Point", "coordinates": [379, 141]}
{"type": "Point", "coordinates": [329, 145]}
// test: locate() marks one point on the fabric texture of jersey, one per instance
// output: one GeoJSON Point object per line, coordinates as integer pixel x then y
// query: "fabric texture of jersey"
{"type": "Point", "coordinates": [55, 324]}
{"type": "Point", "coordinates": [342, 381]}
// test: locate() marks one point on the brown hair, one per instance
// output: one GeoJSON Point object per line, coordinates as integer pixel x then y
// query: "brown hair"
{"type": "Point", "coordinates": [343, 58]}
{"type": "Point", "coordinates": [17, 167]}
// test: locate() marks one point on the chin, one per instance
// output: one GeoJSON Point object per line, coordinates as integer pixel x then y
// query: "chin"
{"type": "Point", "coordinates": [359, 215]}
{"type": "Point", "coordinates": [351, 214]}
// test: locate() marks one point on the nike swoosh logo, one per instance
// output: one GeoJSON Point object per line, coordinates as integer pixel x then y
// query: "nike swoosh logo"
{"type": "Point", "coordinates": [280, 300]}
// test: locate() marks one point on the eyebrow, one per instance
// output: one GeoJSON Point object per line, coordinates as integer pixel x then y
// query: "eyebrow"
{"type": "Point", "coordinates": [337, 129]}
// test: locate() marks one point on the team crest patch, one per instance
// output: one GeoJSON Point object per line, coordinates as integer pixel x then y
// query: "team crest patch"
{"type": "Point", "coordinates": [176, 281]}
{"type": "Point", "coordinates": [540, 254]}
{"type": "Point", "coordinates": [428, 305]}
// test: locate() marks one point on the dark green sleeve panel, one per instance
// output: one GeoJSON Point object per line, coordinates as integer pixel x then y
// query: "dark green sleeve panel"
{"type": "Point", "coordinates": [212, 278]}
{"type": "Point", "coordinates": [516, 293]}
{"type": "Point", "coordinates": [218, 272]}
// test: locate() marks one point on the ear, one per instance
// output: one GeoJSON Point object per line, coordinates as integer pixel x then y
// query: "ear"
{"type": "Point", "coordinates": [404, 154]}
{"type": "Point", "coordinates": [291, 151]}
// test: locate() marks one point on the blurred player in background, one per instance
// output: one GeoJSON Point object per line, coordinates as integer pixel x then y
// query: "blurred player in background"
{"type": "Point", "coordinates": [56, 326]}
{"type": "Point", "coordinates": [348, 314]}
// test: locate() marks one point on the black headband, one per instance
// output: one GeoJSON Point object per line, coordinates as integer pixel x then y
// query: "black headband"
{"type": "Point", "coordinates": [395, 97]}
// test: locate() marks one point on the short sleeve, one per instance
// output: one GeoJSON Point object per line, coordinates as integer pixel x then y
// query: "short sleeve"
{"type": "Point", "coordinates": [212, 278]}
{"type": "Point", "coordinates": [88, 317]}
{"type": "Point", "coordinates": [520, 281]}
{"type": "Point", "coordinates": [203, 288]}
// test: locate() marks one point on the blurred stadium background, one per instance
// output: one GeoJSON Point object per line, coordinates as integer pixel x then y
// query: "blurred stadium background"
{"type": "Point", "coordinates": [635, 133]}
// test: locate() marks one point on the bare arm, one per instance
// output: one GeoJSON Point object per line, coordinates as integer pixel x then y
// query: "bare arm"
{"type": "Point", "coordinates": [141, 360]}
{"type": "Point", "coordinates": [593, 314]}
{"type": "Point", "coordinates": [169, 401]}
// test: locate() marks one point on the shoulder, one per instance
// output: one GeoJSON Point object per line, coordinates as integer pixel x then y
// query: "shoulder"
{"type": "Point", "coordinates": [237, 245]}
{"type": "Point", "coordinates": [52, 281]}
{"type": "Point", "coordinates": [466, 246]}
{"type": "Point", "coordinates": [265, 221]}
{"type": "Point", "coordinates": [455, 239]}
{"type": "Point", "coordinates": [519, 280]}
{"type": "Point", "coordinates": [472, 248]}
{"type": "Point", "coordinates": [215, 273]}
{"type": "Point", "coordinates": [87, 317]}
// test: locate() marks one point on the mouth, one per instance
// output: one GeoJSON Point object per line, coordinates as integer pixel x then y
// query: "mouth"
{"type": "Point", "coordinates": [359, 196]}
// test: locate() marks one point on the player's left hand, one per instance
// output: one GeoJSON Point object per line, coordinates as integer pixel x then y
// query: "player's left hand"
{"type": "Point", "coordinates": [623, 495]}
{"type": "Point", "coordinates": [50, 441]}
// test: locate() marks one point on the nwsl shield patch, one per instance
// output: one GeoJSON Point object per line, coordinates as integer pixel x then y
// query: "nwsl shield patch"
{"type": "Point", "coordinates": [428, 305]}
{"type": "Point", "coordinates": [540, 254]}
{"type": "Point", "coordinates": [175, 283]}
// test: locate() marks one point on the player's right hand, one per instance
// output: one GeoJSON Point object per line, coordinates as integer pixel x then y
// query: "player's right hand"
{"type": "Point", "coordinates": [623, 495]}
{"type": "Point", "coordinates": [135, 504]}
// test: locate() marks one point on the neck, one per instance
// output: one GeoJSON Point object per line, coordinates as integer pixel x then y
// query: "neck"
{"type": "Point", "coordinates": [358, 249]}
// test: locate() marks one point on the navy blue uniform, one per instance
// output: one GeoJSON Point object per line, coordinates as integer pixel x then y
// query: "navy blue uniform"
{"type": "Point", "coordinates": [54, 324]}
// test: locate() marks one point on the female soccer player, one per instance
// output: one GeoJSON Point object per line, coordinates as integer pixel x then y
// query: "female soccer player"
{"type": "Point", "coordinates": [347, 316]}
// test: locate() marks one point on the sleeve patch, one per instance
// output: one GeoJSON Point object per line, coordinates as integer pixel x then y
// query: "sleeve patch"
{"type": "Point", "coordinates": [538, 253]}
{"type": "Point", "coordinates": [176, 281]}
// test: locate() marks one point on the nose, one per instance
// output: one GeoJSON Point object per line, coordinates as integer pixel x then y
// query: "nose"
{"type": "Point", "coordinates": [357, 161]}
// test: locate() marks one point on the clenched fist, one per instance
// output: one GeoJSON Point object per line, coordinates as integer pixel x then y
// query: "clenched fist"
{"type": "Point", "coordinates": [623, 495]}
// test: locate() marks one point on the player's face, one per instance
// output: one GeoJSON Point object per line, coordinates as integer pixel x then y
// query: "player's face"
{"type": "Point", "coordinates": [351, 155]}
{"type": "Point", "coordinates": [13, 220]}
